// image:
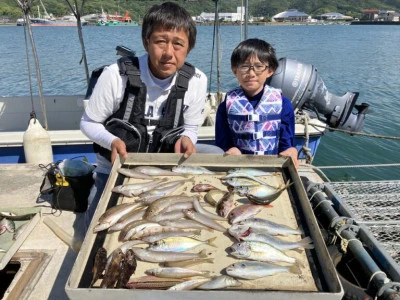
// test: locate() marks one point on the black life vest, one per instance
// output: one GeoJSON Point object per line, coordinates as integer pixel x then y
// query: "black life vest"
{"type": "Point", "coordinates": [128, 122]}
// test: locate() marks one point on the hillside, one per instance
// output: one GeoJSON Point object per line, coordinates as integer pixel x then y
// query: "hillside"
{"type": "Point", "coordinates": [257, 8]}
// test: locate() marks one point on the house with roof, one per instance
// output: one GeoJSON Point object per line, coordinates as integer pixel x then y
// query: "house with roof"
{"type": "Point", "coordinates": [237, 16]}
{"type": "Point", "coordinates": [291, 15]}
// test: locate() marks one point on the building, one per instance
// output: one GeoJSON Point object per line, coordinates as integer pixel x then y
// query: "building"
{"type": "Point", "coordinates": [333, 16]}
{"type": "Point", "coordinates": [238, 16]}
{"type": "Point", "coordinates": [291, 15]}
{"type": "Point", "coordinates": [380, 15]}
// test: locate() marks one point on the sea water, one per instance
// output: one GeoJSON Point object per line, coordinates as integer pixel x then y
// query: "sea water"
{"type": "Point", "coordinates": [362, 59]}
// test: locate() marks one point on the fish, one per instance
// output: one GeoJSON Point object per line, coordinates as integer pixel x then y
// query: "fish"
{"type": "Point", "coordinates": [220, 282]}
{"type": "Point", "coordinates": [245, 211]}
{"type": "Point", "coordinates": [7, 225]}
{"type": "Point", "coordinates": [244, 175]}
{"type": "Point", "coordinates": [176, 272]}
{"type": "Point", "coordinates": [161, 229]}
{"type": "Point", "coordinates": [240, 182]}
{"type": "Point", "coordinates": [152, 282]}
{"type": "Point", "coordinates": [113, 214]}
{"type": "Point", "coordinates": [132, 228]}
{"type": "Point", "coordinates": [200, 209]}
{"type": "Point", "coordinates": [112, 271]}
{"type": "Point", "coordinates": [275, 242]}
{"type": "Point", "coordinates": [189, 262]}
{"type": "Point", "coordinates": [257, 269]}
{"type": "Point", "coordinates": [264, 194]}
{"type": "Point", "coordinates": [19, 231]}
{"type": "Point", "coordinates": [11, 216]}
{"type": "Point", "coordinates": [133, 174]}
{"type": "Point", "coordinates": [267, 226]}
{"type": "Point", "coordinates": [154, 171]}
{"type": "Point", "coordinates": [226, 204]}
{"type": "Point", "coordinates": [213, 197]}
{"type": "Point", "coordinates": [203, 187]}
{"type": "Point", "coordinates": [128, 267]}
{"type": "Point", "coordinates": [179, 244]}
{"type": "Point", "coordinates": [184, 223]}
{"type": "Point", "coordinates": [134, 215]}
{"type": "Point", "coordinates": [135, 189]}
{"type": "Point", "coordinates": [159, 205]}
{"type": "Point", "coordinates": [250, 171]}
{"type": "Point", "coordinates": [163, 256]}
{"type": "Point", "coordinates": [189, 169]}
{"type": "Point", "coordinates": [161, 191]}
{"type": "Point", "coordinates": [260, 252]}
{"type": "Point", "coordinates": [99, 265]}
{"type": "Point", "coordinates": [194, 215]}
{"type": "Point", "coordinates": [160, 236]}
{"type": "Point", "coordinates": [166, 216]}
{"type": "Point", "coordinates": [189, 284]}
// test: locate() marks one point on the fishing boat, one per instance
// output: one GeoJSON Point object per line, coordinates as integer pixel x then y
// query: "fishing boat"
{"type": "Point", "coordinates": [116, 20]}
{"type": "Point", "coordinates": [355, 223]}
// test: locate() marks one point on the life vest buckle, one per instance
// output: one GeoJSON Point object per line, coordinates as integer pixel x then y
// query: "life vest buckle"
{"type": "Point", "coordinates": [253, 118]}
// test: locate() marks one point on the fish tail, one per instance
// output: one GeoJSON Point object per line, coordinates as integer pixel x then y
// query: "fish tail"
{"type": "Point", "coordinates": [203, 253]}
{"type": "Point", "coordinates": [307, 243]}
{"type": "Point", "coordinates": [211, 242]}
{"type": "Point", "coordinates": [295, 269]}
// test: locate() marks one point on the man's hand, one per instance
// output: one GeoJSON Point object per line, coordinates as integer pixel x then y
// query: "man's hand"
{"type": "Point", "coordinates": [292, 152]}
{"type": "Point", "coordinates": [184, 145]}
{"type": "Point", "coordinates": [234, 151]}
{"type": "Point", "coordinates": [118, 147]}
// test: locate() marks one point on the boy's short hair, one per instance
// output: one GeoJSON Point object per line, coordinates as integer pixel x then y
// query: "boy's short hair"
{"type": "Point", "coordinates": [257, 48]}
{"type": "Point", "coordinates": [169, 16]}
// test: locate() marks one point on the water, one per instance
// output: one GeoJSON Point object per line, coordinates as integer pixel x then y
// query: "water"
{"type": "Point", "coordinates": [362, 59]}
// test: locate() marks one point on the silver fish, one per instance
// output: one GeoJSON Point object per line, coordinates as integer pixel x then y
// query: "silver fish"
{"type": "Point", "coordinates": [200, 209]}
{"type": "Point", "coordinates": [176, 272]}
{"type": "Point", "coordinates": [267, 226]}
{"type": "Point", "coordinates": [244, 175]}
{"type": "Point", "coordinates": [275, 242]}
{"type": "Point", "coordinates": [113, 214]}
{"type": "Point", "coordinates": [154, 171]}
{"type": "Point", "coordinates": [250, 171]}
{"type": "Point", "coordinates": [136, 189]}
{"type": "Point", "coordinates": [7, 225]}
{"type": "Point", "coordinates": [194, 215]}
{"type": "Point", "coordinates": [184, 223]}
{"type": "Point", "coordinates": [260, 252]}
{"type": "Point", "coordinates": [159, 205]}
{"type": "Point", "coordinates": [133, 174]}
{"type": "Point", "coordinates": [179, 244]}
{"type": "Point", "coordinates": [161, 229]}
{"type": "Point", "coordinates": [163, 235]}
{"type": "Point", "coordinates": [163, 256]}
{"type": "Point", "coordinates": [256, 269]}
{"type": "Point", "coordinates": [136, 226]}
{"type": "Point", "coordinates": [240, 182]}
{"type": "Point", "coordinates": [264, 194]}
{"type": "Point", "coordinates": [134, 215]}
{"type": "Point", "coordinates": [166, 216]}
{"type": "Point", "coordinates": [220, 282]}
{"type": "Point", "coordinates": [189, 262]}
{"type": "Point", "coordinates": [189, 169]}
{"type": "Point", "coordinates": [189, 284]}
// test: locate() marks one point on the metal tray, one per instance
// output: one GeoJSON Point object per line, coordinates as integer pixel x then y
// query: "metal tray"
{"type": "Point", "coordinates": [318, 278]}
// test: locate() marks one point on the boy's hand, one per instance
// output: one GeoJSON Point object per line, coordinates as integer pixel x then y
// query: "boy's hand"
{"type": "Point", "coordinates": [234, 151]}
{"type": "Point", "coordinates": [184, 145]}
{"type": "Point", "coordinates": [118, 147]}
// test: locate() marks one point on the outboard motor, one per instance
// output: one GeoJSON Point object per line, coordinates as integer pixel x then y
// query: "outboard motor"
{"type": "Point", "coordinates": [300, 83]}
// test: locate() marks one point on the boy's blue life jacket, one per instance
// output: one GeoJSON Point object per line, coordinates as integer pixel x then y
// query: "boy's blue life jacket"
{"type": "Point", "coordinates": [128, 122]}
{"type": "Point", "coordinates": [255, 130]}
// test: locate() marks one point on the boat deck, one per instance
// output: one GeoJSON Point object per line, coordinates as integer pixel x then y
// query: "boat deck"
{"type": "Point", "coordinates": [375, 204]}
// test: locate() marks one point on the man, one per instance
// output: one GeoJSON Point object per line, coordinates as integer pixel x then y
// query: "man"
{"type": "Point", "coordinates": [161, 110]}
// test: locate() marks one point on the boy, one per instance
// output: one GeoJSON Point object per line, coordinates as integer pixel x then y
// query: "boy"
{"type": "Point", "coordinates": [255, 118]}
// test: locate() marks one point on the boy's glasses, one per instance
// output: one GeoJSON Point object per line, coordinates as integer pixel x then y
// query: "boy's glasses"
{"type": "Point", "coordinates": [258, 69]}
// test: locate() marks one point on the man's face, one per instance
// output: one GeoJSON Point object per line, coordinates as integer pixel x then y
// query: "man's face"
{"type": "Point", "coordinates": [167, 51]}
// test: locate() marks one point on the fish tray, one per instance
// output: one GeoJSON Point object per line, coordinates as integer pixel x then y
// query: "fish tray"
{"type": "Point", "coordinates": [7, 243]}
{"type": "Point", "coordinates": [316, 276]}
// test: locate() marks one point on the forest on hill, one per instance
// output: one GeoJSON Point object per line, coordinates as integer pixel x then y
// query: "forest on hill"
{"type": "Point", "coordinates": [257, 8]}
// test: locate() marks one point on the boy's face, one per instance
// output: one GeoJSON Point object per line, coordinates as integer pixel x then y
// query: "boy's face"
{"type": "Point", "coordinates": [252, 75]}
{"type": "Point", "coordinates": [167, 51]}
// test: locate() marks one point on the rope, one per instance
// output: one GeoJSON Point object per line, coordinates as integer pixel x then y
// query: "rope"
{"type": "Point", "coordinates": [315, 207]}
{"type": "Point", "coordinates": [372, 277]}
{"type": "Point", "coordinates": [303, 119]}
{"type": "Point", "coordinates": [358, 133]}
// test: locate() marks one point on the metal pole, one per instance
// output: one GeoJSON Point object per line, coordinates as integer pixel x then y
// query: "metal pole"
{"type": "Point", "coordinates": [246, 18]}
